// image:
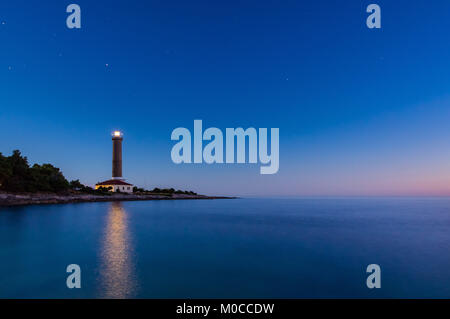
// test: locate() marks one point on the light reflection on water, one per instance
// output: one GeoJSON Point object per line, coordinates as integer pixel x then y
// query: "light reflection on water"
{"type": "Point", "coordinates": [118, 279]}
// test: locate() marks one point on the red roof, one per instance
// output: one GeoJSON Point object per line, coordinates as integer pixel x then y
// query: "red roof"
{"type": "Point", "coordinates": [114, 182]}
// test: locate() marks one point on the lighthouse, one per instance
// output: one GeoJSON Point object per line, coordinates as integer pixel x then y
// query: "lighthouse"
{"type": "Point", "coordinates": [117, 182]}
{"type": "Point", "coordinates": [117, 138]}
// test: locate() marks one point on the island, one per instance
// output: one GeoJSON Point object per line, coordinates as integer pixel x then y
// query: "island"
{"type": "Point", "coordinates": [22, 184]}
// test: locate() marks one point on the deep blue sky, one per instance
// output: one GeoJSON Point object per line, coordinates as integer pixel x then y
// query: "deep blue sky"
{"type": "Point", "coordinates": [360, 111]}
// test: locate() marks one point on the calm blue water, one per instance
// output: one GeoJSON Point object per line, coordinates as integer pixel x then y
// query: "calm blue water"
{"type": "Point", "coordinates": [287, 248]}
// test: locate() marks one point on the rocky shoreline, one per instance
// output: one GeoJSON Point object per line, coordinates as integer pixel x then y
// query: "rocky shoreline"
{"type": "Point", "coordinates": [9, 199]}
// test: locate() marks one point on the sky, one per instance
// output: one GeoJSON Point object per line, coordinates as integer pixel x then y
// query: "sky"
{"type": "Point", "coordinates": [361, 112]}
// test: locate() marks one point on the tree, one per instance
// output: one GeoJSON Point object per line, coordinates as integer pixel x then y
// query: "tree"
{"type": "Point", "coordinates": [76, 185]}
{"type": "Point", "coordinates": [49, 178]}
{"type": "Point", "coordinates": [20, 179]}
{"type": "Point", "coordinates": [17, 176]}
{"type": "Point", "coordinates": [138, 190]}
{"type": "Point", "coordinates": [5, 169]}
{"type": "Point", "coordinates": [102, 190]}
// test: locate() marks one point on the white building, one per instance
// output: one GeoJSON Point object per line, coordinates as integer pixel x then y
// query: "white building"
{"type": "Point", "coordinates": [116, 185]}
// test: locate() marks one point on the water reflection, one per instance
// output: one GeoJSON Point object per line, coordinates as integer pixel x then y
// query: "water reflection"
{"type": "Point", "coordinates": [118, 278]}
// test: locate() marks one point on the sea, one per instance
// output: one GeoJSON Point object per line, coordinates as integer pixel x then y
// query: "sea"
{"type": "Point", "coordinates": [228, 248]}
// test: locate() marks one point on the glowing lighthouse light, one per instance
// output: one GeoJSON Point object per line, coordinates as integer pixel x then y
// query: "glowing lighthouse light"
{"type": "Point", "coordinates": [117, 133]}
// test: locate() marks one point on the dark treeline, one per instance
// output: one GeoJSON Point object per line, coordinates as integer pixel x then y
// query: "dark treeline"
{"type": "Point", "coordinates": [157, 190]}
{"type": "Point", "coordinates": [17, 176]}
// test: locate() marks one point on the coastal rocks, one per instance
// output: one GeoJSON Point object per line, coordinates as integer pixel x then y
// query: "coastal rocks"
{"type": "Point", "coordinates": [9, 199]}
